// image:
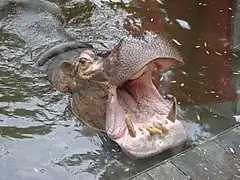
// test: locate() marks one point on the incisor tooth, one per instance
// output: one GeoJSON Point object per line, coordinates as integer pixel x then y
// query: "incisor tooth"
{"type": "Point", "coordinates": [152, 130]}
{"type": "Point", "coordinates": [161, 126]}
{"type": "Point", "coordinates": [173, 111]}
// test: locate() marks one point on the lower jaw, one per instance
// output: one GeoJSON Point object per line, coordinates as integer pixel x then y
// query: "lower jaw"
{"type": "Point", "coordinates": [149, 108]}
{"type": "Point", "coordinates": [144, 146]}
{"type": "Point", "coordinates": [147, 146]}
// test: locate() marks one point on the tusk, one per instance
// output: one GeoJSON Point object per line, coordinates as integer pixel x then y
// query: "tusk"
{"type": "Point", "coordinates": [130, 126]}
{"type": "Point", "coordinates": [161, 126]}
{"type": "Point", "coordinates": [152, 130]}
{"type": "Point", "coordinates": [173, 112]}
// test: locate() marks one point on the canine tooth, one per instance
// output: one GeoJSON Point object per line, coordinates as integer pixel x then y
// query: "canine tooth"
{"type": "Point", "coordinates": [173, 111]}
{"type": "Point", "coordinates": [130, 126]}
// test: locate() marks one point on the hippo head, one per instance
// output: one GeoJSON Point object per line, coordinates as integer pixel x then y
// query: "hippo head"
{"type": "Point", "coordinates": [118, 96]}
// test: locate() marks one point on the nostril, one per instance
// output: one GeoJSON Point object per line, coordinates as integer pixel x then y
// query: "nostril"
{"type": "Point", "coordinates": [90, 53]}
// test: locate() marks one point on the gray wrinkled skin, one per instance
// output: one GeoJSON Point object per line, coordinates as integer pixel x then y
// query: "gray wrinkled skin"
{"type": "Point", "coordinates": [39, 31]}
{"type": "Point", "coordinates": [136, 52]}
{"type": "Point", "coordinates": [37, 5]}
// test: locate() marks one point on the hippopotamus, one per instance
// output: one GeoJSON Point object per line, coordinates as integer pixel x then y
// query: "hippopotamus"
{"type": "Point", "coordinates": [112, 92]}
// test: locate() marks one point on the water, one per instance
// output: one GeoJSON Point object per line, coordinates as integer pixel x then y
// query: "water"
{"type": "Point", "coordinates": [40, 139]}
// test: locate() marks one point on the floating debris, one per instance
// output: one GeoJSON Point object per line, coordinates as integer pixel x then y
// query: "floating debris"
{"type": "Point", "coordinates": [198, 117]}
{"type": "Point", "coordinates": [184, 72]}
{"type": "Point", "coordinates": [218, 53]}
{"type": "Point", "coordinates": [206, 168]}
{"type": "Point", "coordinates": [161, 78]}
{"type": "Point", "coordinates": [127, 169]}
{"type": "Point", "coordinates": [231, 149]}
{"type": "Point", "coordinates": [178, 43]}
{"type": "Point", "coordinates": [35, 170]}
{"type": "Point", "coordinates": [161, 2]}
{"type": "Point", "coordinates": [235, 55]}
{"type": "Point", "coordinates": [202, 4]}
{"type": "Point", "coordinates": [236, 73]}
{"type": "Point", "coordinates": [183, 24]}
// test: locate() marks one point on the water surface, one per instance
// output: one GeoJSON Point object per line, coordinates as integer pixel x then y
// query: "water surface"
{"type": "Point", "coordinates": [40, 139]}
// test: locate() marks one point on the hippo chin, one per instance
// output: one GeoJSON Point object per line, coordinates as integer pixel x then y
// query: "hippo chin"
{"type": "Point", "coordinates": [117, 95]}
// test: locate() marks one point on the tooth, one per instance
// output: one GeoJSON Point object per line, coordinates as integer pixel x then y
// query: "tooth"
{"type": "Point", "coordinates": [152, 130]}
{"type": "Point", "coordinates": [161, 126]}
{"type": "Point", "coordinates": [173, 112]}
{"type": "Point", "coordinates": [130, 126]}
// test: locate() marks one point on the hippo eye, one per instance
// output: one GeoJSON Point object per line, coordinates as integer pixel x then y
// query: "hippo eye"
{"type": "Point", "coordinates": [83, 61]}
{"type": "Point", "coordinates": [84, 64]}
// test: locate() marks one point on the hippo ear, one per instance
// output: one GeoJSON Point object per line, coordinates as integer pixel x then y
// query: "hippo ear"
{"type": "Point", "coordinates": [67, 68]}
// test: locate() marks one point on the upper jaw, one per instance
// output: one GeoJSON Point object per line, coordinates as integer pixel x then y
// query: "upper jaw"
{"type": "Point", "coordinates": [132, 54]}
{"type": "Point", "coordinates": [161, 64]}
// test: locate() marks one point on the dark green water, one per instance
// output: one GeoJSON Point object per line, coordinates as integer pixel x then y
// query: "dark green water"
{"type": "Point", "coordinates": [39, 137]}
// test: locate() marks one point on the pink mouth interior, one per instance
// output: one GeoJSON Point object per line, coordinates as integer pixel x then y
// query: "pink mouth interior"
{"type": "Point", "coordinates": [139, 99]}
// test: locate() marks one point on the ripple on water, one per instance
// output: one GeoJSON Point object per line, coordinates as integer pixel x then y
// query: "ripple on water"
{"type": "Point", "coordinates": [40, 139]}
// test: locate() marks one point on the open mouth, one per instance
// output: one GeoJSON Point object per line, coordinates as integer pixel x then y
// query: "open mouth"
{"type": "Point", "coordinates": [137, 103]}
{"type": "Point", "coordinates": [139, 119]}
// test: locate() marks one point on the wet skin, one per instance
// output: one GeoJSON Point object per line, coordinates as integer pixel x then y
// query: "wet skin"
{"type": "Point", "coordinates": [114, 94]}
{"type": "Point", "coordinates": [117, 95]}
